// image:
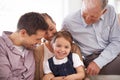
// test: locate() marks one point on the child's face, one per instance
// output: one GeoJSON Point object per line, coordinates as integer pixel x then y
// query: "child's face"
{"type": "Point", "coordinates": [61, 48]}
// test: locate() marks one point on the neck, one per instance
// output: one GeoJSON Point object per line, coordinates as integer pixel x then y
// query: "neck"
{"type": "Point", "coordinates": [15, 39]}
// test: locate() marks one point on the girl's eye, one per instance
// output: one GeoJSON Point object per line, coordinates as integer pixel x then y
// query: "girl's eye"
{"type": "Point", "coordinates": [58, 45]}
{"type": "Point", "coordinates": [66, 47]}
{"type": "Point", "coordinates": [51, 29]}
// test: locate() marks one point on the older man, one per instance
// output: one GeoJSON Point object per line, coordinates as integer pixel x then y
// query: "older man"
{"type": "Point", "coordinates": [96, 30]}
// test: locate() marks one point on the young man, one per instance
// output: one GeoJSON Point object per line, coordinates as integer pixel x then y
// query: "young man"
{"type": "Point", "coordinates": [96, 30]}
{"type": "Point", "coordinates": [16, 48]}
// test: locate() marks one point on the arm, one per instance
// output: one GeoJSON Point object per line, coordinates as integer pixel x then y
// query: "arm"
{"type": "Point", "coordinates": [50, 76]}
{"type": "Point", "coordinates": [112, 49]}
{"type": "Point", "coordinates": [48, 73]}
{"type": "Point", "coordinates": [78, 65]}
{"type": "Point", "coordinates": [78, 76]}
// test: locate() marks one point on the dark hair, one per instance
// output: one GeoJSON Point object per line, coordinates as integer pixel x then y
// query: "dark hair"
{"type": "Point", "coordinates": [45, 15]}
{"type": "Point", "coordinates": [65, 34]}
{"type": "Point", "coordinates": [32, 22]}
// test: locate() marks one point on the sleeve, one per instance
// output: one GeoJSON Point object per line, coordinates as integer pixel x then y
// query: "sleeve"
{"type": "Point", "coordinates": [47, 68]}
{"type": "Point", "coordinates": [76, 60]}
{"type": "Point", "coordinates": [113, 49]}
{"type": "Point", "coordinates": [5, 69]}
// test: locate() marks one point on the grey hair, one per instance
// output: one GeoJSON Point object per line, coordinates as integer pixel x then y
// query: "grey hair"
{"type": "Point", "coordinates": [104, 3]}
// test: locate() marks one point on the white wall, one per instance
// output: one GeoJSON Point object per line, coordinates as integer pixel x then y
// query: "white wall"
{"type": "Point", "coordinates": [74, 5]}
{"type": "Point", "coordinates": [115, 4]}
{"type": "Point", "coordinates": [11, 10]}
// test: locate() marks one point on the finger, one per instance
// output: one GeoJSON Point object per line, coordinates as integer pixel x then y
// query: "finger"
{"type": "Point", "coordinates": [89, 71]}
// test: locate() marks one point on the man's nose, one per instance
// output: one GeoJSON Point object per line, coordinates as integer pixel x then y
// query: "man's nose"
{"type": "Point", "coordinates": [88, 17]}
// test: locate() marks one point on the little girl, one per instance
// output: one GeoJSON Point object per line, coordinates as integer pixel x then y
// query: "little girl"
{"type": "Point", "coordinates": [64, 65]}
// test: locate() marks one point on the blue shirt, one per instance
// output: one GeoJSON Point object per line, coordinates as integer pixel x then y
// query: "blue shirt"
{"type": "Point", "coordinates": [102, 35]}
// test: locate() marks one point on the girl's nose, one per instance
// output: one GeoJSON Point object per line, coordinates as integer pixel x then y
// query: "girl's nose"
{"type": "Point", "coordinates": [62, 49]}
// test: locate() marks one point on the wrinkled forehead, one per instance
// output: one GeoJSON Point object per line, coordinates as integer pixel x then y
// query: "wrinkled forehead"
{"type": "Point", "coordinates": [91, 6]}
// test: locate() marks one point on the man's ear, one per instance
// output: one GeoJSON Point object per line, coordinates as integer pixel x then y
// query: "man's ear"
{"type": "Point", "coordinates": [23, 32]}
{"type": "Point", "coordinates": [104, 11]}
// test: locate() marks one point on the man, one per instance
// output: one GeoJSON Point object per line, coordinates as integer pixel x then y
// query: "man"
{"type": "Point", "coordinates": [96, 30]}
{"type": "Point", "coordinates": [16, 49]}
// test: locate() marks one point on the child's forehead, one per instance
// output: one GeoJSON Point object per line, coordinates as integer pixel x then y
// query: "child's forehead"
{"type": "Point", "coordinates": [62, 40]}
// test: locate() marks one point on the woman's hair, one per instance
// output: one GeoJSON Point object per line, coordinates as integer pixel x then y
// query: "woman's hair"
{"type": "Point", "coordinates": [45, 15]}
{"type": "Point", "coordinates": [64, 34]}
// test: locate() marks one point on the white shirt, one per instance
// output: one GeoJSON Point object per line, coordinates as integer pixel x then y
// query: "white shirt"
{"type": "Point", "coordinates": [76, 62]}
{"type": "Point", "coordinates": [21, 49]}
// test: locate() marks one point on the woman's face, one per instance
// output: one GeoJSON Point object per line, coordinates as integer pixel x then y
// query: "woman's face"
{"type": "Point", "coordinates": [51, 30]}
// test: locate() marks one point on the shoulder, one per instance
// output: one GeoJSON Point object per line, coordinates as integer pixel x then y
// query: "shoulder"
{"type": "Point", "coordinates": [3, 47]}
{"type": "Point", "coordinates": [75, 55]}
{"type": "Point", "coordinates": [76, 60]}
{"type": "Point", "coordinates": [2, 42]}
{"type": "Point", "coordinates": [72, 16]}
{"type": "Point", "coordinates": [71, 19]}
{"type": "Point", "coordinates": [110, 9]}
{"type": "Point", "coordinates": [50, 59]}
{"type": "Point", "coordinates": [110, 15]}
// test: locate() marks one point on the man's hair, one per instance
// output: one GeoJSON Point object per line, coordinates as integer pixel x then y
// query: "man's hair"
{"type": "Point", "coordinates": [104, 3]}
{"type": "Point", "coordinates": [32, 22]}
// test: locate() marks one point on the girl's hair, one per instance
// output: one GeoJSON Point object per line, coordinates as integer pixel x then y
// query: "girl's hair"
{"type": "Point", "coordinates": [65, 34]}
{"type": "Point", "coordinates": [45, 15]}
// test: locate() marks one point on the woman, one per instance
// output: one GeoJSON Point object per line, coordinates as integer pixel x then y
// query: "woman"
{"type": "Point", "coordinates": [45, 51]}
{"type": "Point", "coordinates": [44, 48]}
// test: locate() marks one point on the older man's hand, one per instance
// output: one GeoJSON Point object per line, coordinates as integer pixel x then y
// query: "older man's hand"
{"type": "Point", "coordinates": [92, 69]}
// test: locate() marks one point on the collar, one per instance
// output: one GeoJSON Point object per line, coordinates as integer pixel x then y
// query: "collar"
{"type": "Point", "coordinates": [60, 61]}
{"type": "Point", "coordinates": [7, 40]}
{"type": "Point", "coordinates": [102, 17]}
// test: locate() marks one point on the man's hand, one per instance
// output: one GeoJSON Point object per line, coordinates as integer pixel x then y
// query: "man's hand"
{"type": "Point", "coordinates": [92, 69]}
